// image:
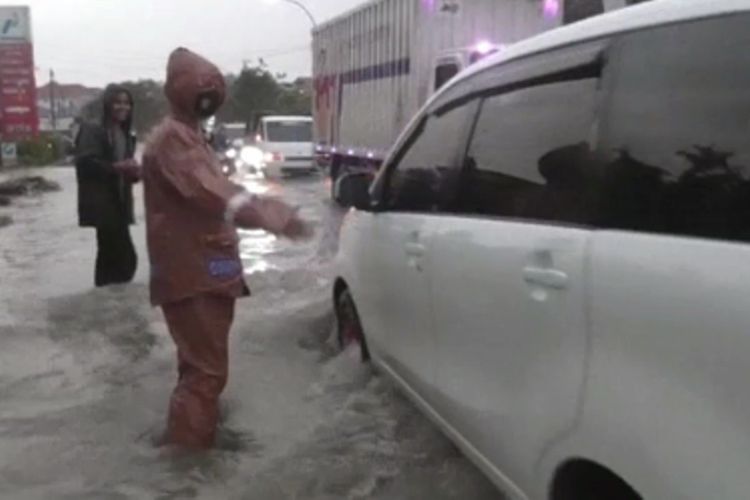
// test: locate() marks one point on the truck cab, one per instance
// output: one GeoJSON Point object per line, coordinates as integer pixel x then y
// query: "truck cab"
{"type": "Point", "coordinates": [451, 62]}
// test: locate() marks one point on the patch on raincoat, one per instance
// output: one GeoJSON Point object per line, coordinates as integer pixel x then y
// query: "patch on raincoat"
{"type": "Point", "coordinates": [224, 268]}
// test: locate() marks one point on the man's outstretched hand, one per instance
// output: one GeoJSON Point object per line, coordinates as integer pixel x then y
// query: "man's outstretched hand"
{"type": "Point", "coordinates": [276, 217]}
{"type": "Point", "coordinates": [298, 229]}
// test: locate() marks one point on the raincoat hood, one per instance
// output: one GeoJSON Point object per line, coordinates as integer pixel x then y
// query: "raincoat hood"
{"type": "Point", "coordinates": [110, 94]}
{"type": "Point", "coordinates": [190, 76]}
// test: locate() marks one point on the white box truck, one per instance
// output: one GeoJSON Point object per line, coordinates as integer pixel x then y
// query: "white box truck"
{"type": "Point", "coordinates": [374, 67]}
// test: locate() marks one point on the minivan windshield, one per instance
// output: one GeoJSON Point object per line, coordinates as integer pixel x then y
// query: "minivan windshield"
{"type": "Point", "coordinates": [289, 131]}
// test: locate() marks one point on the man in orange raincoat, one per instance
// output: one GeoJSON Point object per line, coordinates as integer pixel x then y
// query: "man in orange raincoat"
{"type": "Point", "coordinates": [196, 272]}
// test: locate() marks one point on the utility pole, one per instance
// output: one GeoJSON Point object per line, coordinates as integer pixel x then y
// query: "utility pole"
{"type": "Point", "coordinates": [53, 104]}
{"type": "Point", "coordinates": [302, 7]}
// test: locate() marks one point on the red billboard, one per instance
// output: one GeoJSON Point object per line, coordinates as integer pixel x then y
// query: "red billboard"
{"type": "Point", "coordinates": [19, 117]}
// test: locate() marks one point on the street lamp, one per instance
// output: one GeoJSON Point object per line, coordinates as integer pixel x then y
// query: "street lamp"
{"type": "Point", "coordinates": [301, 6]}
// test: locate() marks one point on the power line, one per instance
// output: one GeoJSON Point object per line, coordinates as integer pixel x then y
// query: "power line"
{"type": "Point", "coordinates": [129, 57]}
{"type": "Point", "coordinates": [104, 63]}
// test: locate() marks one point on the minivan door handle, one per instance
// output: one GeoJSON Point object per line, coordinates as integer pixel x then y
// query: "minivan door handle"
{"type": "Point", "coordinates": [414, 254]}
{"type": "Point", "coordinates": [547, 278]}
{"type": "Point", "coordinates": [414, 249]}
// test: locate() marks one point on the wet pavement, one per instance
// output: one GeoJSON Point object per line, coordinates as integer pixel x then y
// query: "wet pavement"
{"type": "Point", "coordinates": [85, 376]}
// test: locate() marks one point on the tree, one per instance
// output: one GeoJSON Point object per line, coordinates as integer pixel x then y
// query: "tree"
{"type": "Point", "coordinates": [253, 92]}
{"type": "Point", "coordinates": [296, 97]}
{"type": "Point", "coordinates": [256, 91]}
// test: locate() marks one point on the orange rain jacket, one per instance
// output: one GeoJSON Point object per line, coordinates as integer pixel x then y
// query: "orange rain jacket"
{"type": "Point", "coordinates": [191, 207]}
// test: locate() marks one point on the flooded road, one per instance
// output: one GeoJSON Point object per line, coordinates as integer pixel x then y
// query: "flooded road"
{"type": "Point", "coordinates": [85, 376]}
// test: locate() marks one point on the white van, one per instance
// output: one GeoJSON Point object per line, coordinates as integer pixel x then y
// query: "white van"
{"type": "Point", "coordinates": [554, 260]}
{"type": "Point", "coordinates": [287, 145]}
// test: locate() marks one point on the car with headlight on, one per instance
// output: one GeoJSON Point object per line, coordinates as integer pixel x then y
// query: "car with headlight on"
{"type": "Point", "coordinates": [232, 135]}
{"type": "Point", "coordinates": [552, 261]}
{"type": "Point", "coordinates": [287, 145]}
{"type": "Point", "coordinates": [237, 151]}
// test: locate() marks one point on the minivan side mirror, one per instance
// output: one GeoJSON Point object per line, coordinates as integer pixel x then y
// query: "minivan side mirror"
{"type": "Point", "coordinates": [353, 190]}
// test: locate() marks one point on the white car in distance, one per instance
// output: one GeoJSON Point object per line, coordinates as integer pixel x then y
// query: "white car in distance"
{"type": "Point", "coordinates": [287, 145]}
{"type": "Point", "coordinates": [240, 157]}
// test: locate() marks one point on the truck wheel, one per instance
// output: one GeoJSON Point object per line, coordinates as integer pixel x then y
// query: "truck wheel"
{"type": "Point", "coordinates": [335, 172]}
{"type": "Point", "coordinates": [349, 328]}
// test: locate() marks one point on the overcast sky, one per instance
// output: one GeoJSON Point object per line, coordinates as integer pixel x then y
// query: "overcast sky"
{"type": "Point", "coordinates": [98, 41]}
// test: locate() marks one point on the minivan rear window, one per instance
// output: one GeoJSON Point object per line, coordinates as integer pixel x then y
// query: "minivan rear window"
{"type": "Point", "coordinates": [678, 131]}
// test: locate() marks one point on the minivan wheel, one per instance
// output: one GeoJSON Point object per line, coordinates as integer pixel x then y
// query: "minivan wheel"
{"type": "Point", "coordinates": [349, 328]}
{"type": "Point", "coordinates": [585, 480]}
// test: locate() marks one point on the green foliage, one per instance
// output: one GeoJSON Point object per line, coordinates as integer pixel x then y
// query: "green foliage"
{"type": "Point", "coordinates": [41, 151]}
{"type": "Point", "coordinates": [254, 91]}
{"type": "Point", "coordinates": [296, 99]}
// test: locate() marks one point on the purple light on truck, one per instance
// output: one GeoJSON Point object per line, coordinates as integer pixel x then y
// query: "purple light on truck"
{"type": "Point", "coordinates": [370, 154]}
{"type": "Point", "coordinates": [551, 8]}
{"type": "Point", "coordinates": [429, 5]}
{"type": "Point", "coordinates": [484, 47]}
{"type": "Point", "coordinates": [350, 152]}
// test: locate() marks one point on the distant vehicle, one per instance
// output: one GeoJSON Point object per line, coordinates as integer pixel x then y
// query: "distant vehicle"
{"type": "Point", "coordinates": [238, 154]}
{"type": "Point", "coordinates": [236, 134]}
{"type": "Point", "coordinates": [286, 144]}
{"type": "Point", "coordinates": [553, 260]}
{"type": "Point", "coordinates": [374, 67]}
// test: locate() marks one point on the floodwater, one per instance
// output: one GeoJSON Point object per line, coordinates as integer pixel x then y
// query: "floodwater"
{"type": "Point", "coordinates": [85, 376]}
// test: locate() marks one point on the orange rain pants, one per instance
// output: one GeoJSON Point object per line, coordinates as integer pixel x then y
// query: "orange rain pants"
{"type": "Point", "coordinates": [200, 329]}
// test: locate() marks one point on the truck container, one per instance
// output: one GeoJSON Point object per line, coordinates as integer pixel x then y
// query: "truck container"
{"type": "Point", "coordinates": [374, 67]}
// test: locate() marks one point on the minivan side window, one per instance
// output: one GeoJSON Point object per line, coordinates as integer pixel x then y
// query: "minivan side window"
{"type": "Point", "coordinates": [678, 131]}
{"type": "Point", "coordinates": [531, 155]}
{"type": "Point", "coordinates": [424, 176]}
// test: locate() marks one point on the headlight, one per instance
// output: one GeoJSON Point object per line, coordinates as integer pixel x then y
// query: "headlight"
{"type": "Point", "coordinates": [231, 154]}
{"type": "Point", "coordinates": [252, 156]}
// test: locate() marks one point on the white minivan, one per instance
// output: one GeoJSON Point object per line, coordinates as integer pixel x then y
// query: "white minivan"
{"type": "Point", "coordinates": [287, 145]}
{"type": "Point", "coordinates": [554, 261]}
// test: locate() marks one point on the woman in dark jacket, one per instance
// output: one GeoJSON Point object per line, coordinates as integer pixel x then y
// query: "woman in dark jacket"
{"type": "Point", "coordinates": [106, 172]}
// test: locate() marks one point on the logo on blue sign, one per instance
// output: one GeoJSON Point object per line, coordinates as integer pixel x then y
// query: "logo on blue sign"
{"type": "Point", "coordinates": [9, 24]}
{"type": "Point", "coordinates": [224, 268]}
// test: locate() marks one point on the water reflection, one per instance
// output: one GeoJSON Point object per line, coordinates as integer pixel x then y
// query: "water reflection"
{"type": "Point", "coordinates": [707, 199]}
{"type": "Point", "coordinates": [255, 183]}
{"type": "Point", "coordinates": [256, 246]}
{"type": "Point", "coordinates": [84, 377]}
